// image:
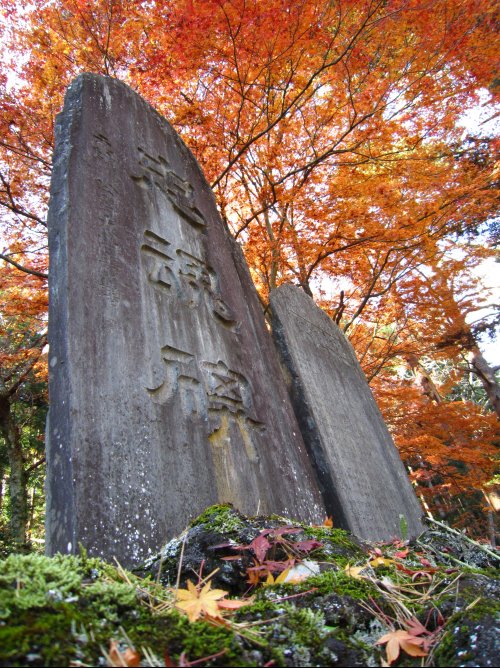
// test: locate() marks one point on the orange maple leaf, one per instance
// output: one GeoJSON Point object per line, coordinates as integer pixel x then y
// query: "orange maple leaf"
{"type": "Point", "coordinates": [130, 658]}
{"type": "Point", "coordinates": [234, 603]}
{"type": "Point", "coordinates": [196, 602]}
{"type": "Point", "coordinates": [401, 640]}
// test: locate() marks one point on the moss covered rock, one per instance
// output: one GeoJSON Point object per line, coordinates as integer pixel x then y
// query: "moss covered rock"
{"type": "Point", "coordinates": [314, 596]}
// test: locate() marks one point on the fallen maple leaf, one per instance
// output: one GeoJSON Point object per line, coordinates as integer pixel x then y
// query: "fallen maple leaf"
{"type": "Point", "coordinates": [425, 562]}
{"type": "Point", "coordinates": [307, 545]}
{"type": "Point", "coordinates": [415, 627]}
{"type": "Point", "coordinates": [417, 575]}
{"type": "Point", "coordinates": [234, 603]}
{"type": "Point", "coordinates": [328, 522]}
{"type": "Point", "coordinates": [402, 554]}
{"type": "Point", "coordinates": [259, 546]}
{"type": "Point", "coordinates": [130, 658]}
{"type": "Point", "coordinates": [401, 640]}
{"type": "Point", "coordinates": [279, 580]}
{"type": "Point", "coordinates": [254, 575]}
{"type": "Point", "coordinates": [380, 561]}
{"type": "Point", "coordinates": [195, 602]}
{"type": "Point", "coordinates": [354, 571]}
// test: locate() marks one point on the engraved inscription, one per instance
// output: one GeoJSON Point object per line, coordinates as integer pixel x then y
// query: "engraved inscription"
{"type": "Point", "coordinates": [181, 274]}
{"type": "Point", "coordinates": [104, 156]}
{"type": "Point", "coordinates": [195, 277]}
{"type": "Point", "coordinates": [101, 148]}
{"type": "Point", "coordinates": [325, 339]}
{"type": "Point", "coordinates": [210, 390]}
{"type": "Point", "coordinates": [155, 172]}
{"type": "Point", "coordinates": [181, 377]}
{"type": "Point", "coordinates": [160, 270]}
{"type": "Point", "coordinates": [226, 389]}
{"type": "Point", "coordinates": [230, 403]}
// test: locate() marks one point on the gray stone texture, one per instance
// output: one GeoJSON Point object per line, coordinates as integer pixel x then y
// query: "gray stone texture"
{"type": "Point", "coordinates": [362, 478]}
{"type": "Point", "coordinates": [166, 394]}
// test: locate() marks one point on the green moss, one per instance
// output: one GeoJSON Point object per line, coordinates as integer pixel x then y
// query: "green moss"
{"type": "Point", "coordinates": [337, 582]}
{"type": "Point", "coordinates": [47, 600]}
{"type": "Point", "coordinates": [32, 580]}
{"type": "Point", "coordinates": [50, 633]}
{"type": "Point", "coordinates": [296, 636]}
{"type": "Point", "coordinates": [223, 519]}
{"type": "Point", "coordinates": [334, 536]}
{"type": "Point", "coordinates": [445, 654]}
{"type": "Point", "coordinates": [339, 546]}
{"type": "Point", "coordinates": [201, 639]}
{"type": "Point", "coordinates": [107, 599]}
{"type": "Point", "coordinates": [307, 626]}
{"type": "Point", "coordinates": [474, 598]}
{"type": "Point", "coordinates": [445, 651]}
{"type": "Point", "coordinates": [483, 607]}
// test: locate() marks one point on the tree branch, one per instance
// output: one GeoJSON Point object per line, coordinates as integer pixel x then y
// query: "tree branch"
{"type": "Point", "coordinates": [26, 270]}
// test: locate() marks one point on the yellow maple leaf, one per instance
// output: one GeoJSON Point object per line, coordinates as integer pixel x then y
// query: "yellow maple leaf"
{"type": "Point", "coordinates": [196, 602]}
{"type": "Point", "coordinates": [354, 571]}
{"type": "Point", "coordinates": [380, 561]}
{"type": "Point", "coordinates": [357, 571]}
{"type": "Point", "coordinates": [279, 580]}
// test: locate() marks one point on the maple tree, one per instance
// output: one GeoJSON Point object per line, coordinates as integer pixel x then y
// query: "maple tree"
{"type": "Point", "coordinates": [330, 134]}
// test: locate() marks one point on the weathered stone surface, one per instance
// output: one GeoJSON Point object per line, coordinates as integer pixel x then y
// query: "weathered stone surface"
{"type": "Point", "coordinates": [165, 388]}
{"type": "Point", "coordinates": [363, 481]}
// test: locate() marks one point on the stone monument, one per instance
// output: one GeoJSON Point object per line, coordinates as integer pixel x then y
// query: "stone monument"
{"type": "Point", "coordinates": [166, 394]}
{"type": "Point", "coordinates": [362, 478]}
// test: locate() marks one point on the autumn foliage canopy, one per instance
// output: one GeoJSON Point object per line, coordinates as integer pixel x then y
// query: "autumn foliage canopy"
{"type": "Point", "coordinates": [332, 132]}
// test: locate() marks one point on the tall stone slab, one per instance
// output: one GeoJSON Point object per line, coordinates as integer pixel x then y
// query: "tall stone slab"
{"type": "Point", "coordinates": [363, 481]}
{"type": "Point", "coordinates": [165, 392]}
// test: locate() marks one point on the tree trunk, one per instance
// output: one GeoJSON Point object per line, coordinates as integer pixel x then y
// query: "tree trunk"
{"type": "Point", "coordinates": [2, 475]}
{"type": "Point", "coordinates": [275, 256]}
{"type": "Point", "coordinates": [485, 374]}
{"type": "Point", "coordinates": [18, 476]}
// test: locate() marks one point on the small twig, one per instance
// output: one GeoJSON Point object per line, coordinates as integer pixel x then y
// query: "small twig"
{"type": "Point", "coordinates": [207, 577]}
{"type": "Point", "coordinates": [302, 593]}
{"type": "Point", "coordinates": [121, 572]}
{"type": "Point", "coordinates": [150, 658]}
{"type": "Point", "coordinates": [178, 581]}
{"type": "Point", "coordinates": [445, 555]}
{"type": "Point", "coordinates": [469, 540]}
{"type": "Point", "coordinates": [208, 658]}
{"type": "Point", "coordinates": [259, 622]}
{"type": "Point", "coordinates": [159, 568]}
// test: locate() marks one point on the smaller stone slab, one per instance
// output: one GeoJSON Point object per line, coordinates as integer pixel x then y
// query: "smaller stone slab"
{"type": "Point", "coordinates": [362, 478]}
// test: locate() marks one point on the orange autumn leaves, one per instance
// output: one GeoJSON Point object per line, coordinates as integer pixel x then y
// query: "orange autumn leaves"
{"type": "Point", "coordinates": [414, 640]}
{"type": "Point", "coordinates": [398, 640]}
